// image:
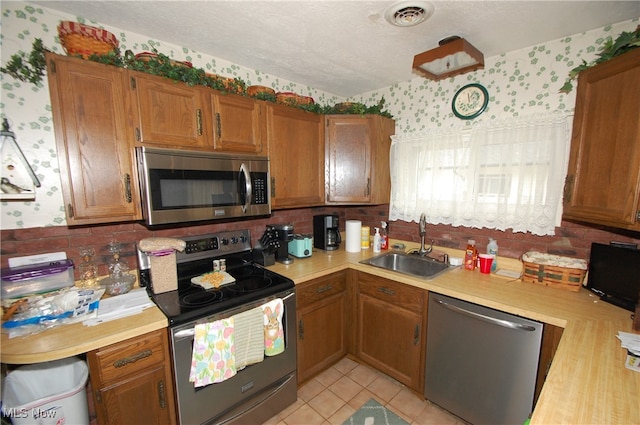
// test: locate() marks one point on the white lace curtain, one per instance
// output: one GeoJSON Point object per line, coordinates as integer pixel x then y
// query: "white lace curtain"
{"type": "Point", "coordinates": [498, 175]}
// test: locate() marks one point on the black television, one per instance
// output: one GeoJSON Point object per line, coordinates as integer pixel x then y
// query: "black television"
{"type": "Point", "coordinates": [614, 274]}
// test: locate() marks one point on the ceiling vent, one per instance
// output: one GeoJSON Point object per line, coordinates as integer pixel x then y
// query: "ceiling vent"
{"type": "Point", "coordinates": [408, 13]}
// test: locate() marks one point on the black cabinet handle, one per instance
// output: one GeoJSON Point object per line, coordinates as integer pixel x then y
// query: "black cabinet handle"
{"type": "Point", "coordinates": [386, 291]}
{"type": "Point", "coordinates": [324, 288]}
{"type": "Point", "coordinates": [127, 188]}
{"type": "Point", "coordinates": [199, 121]}
{"type": "Point", "coordinates": [161, 397]}
{"type": "Point", "coordinates": [132, 359]}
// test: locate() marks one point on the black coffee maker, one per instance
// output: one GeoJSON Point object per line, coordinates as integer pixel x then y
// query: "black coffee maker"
{"type": "Point", "coordinates": [285, 235]}
{"type": "Point", "coordinates": [326, 235]}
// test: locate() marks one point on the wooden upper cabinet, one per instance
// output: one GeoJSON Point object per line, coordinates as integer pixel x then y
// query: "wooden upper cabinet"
{"type": "Point", "coordinates": [603, 179]}
{"type": "Point", "coordinates": [296, 151]}
{"type": "Point", "coordinates": [238, 124]}
{"type": "Point", "coordinates": [95, 150]}
{"type": "Point", "coordinates": [357, 159]}
{"type": "Point", "coordinates": [169, 113]}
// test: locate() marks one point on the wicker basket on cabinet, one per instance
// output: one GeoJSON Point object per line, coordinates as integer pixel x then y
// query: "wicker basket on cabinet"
{"type": "Point", "coordinates": [553, 270]}
{"type": "Point", "coordinates": [84, 40]}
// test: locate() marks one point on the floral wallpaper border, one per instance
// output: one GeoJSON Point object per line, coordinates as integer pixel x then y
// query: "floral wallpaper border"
{"type": "Point", "coordinates": [521, 82]}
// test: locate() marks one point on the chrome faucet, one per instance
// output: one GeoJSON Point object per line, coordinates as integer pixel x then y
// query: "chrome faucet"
{"type": "Point", "coordinates": [423, 231]}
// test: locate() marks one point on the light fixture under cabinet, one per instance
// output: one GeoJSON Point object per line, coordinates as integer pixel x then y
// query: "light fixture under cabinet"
{"type": "Point", "coordinates": [453, 56]}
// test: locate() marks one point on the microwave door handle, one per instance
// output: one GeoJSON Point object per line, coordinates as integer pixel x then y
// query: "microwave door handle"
{"type": "Point", "coordinates": [247, 187]}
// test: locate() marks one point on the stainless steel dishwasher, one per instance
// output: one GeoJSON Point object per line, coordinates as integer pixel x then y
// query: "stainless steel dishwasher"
{"type": "Point", "coordinates": [481, 363]}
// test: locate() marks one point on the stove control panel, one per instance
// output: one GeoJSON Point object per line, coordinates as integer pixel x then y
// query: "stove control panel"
{"type": "Point", "coordinates": [215, 245]}
{"type": "Point", "coordinates": [211, 246]}
{"type": "Point", "coordinates": [199, 245]}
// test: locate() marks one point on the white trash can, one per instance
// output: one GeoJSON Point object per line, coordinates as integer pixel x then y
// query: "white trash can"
{"type": "Point", "coordinates": [49, 393]}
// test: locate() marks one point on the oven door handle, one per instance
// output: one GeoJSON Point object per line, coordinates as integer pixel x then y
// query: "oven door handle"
{"type": "Point", "coordinates": [185, 332]}
{"type": "Point", "coordinates": [286, 297]}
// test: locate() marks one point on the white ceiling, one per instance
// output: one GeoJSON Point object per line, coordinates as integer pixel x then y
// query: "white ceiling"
{"type": "Point", "coordinates": [344, 47]}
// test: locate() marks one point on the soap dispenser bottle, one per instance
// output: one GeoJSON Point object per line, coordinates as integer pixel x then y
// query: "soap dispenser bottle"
{"type": "Point", "coordinates": [376, 240]}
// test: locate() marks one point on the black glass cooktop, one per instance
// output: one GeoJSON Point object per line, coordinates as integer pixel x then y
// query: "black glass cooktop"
{"type": "Point", "coordinates": [191, 302]}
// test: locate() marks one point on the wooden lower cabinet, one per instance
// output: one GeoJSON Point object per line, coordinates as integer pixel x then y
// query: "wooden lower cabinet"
{"type": "Point", "coordinates": [132, 381]}
{"type": "Point", "coordinates": [321, 322]}
{"type": "Point", "coordinates": [391, 328]}
{"type": "Point", "coordinates": [550, 339]}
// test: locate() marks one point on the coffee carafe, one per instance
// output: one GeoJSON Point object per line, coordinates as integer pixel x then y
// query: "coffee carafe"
{"type": "Point", "coordinates": [326, 232]}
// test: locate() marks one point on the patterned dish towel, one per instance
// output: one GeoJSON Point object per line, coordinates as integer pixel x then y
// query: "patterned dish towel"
{"type": "Point", "coordinates": [213, 358]}
{"type": "Point", "coordinates": [249, 337]}
{"type": "Point", "coordinates": [273, 330]}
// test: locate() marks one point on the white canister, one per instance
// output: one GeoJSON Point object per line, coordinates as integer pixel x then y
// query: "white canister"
{"type": "Point", "coordinates": [353, 235]}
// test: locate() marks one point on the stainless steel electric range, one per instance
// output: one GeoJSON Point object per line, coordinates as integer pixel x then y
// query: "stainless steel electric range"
{"type": "Point", "coordinates": [257, 392]}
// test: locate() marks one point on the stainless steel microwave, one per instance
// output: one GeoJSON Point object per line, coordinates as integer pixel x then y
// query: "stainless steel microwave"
{"type": "Point", "coordinates": [183, 186]}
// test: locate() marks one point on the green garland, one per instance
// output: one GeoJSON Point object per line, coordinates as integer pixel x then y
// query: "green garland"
{"type": "Point", "coordinates": [625, 42]}
{"type": "Point", "coordinates": [32, 68]}
{"type": "Point", "coordinates": [29, 69]}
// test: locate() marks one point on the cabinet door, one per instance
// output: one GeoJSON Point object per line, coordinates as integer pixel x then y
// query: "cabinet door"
{"type": "Point", "coordinates": [168, 113]}
{"type": "Point", "coordinates": [238, 124]}
{"type": "Point", "coordinates": [382, 129]}
{"type": "Point", "coordinates": [348, 159]}
{"type": "Point", "coordinates": [90, 109]}
{"type": "Point", "coordinates": [603, 181]}
{"type": "Point", "coordinates": [296, 151]}
{"type": "Point", "coordinates": [132, 381]}
{"type": "Point", "coordinates": [143, 398]}
{"type": "Point", "coordinates": [357, 159]}
{"type": "Point", "coordinates": [321, 336]}
{"type": "Point", "coordinates": [391, 329]}
{"type": "Point", "coordinates": [321, 324]}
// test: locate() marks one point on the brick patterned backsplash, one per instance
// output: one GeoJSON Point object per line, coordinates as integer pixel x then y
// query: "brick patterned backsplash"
{"type": "Point", "coordinates": [571, 239]}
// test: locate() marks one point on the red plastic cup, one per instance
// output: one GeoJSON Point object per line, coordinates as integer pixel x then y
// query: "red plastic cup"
{"type": "Point", "coordinates": [485, 263]}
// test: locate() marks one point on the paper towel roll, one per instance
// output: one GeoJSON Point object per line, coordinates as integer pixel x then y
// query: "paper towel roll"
{"type": "Point", "coordinates": [353, 228]}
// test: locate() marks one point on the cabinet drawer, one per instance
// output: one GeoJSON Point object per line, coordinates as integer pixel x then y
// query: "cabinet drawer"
{"type": "Point", "coordinates": [124, 358]}
{"type": "Point", "coordinates": [318, 289]}
{"type": "Point", "coordinates": [399, 294]}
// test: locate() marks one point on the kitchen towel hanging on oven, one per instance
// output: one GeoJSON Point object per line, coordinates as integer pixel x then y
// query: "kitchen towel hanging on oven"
{"type": "Point", "coordinates": [213, 358]}
{"type": "Point", "coordinates": [273, 331]}
{"type": "Point", "coordinates": [248, 337]}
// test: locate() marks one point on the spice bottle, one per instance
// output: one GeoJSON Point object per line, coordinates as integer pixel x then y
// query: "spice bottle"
{"type": "Point", "coordinates": [471, 255]}
{"type": "Point", "coordinates": [492, 249]}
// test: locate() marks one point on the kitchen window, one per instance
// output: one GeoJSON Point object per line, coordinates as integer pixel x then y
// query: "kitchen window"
{"type": "Point", "coordinates": [499, 175]}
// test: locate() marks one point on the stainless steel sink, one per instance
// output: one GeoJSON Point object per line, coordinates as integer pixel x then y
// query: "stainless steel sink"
{"type": "Point", "coordinates": [411, 264]}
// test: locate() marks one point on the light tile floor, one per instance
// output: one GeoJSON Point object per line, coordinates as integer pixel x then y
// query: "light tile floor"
{"type": "Point", "coordinates": [335, 394]}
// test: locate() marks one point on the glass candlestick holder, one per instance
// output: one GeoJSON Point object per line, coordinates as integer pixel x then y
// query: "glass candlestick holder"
{"type": "Point", "coordinates": [88, 268]}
